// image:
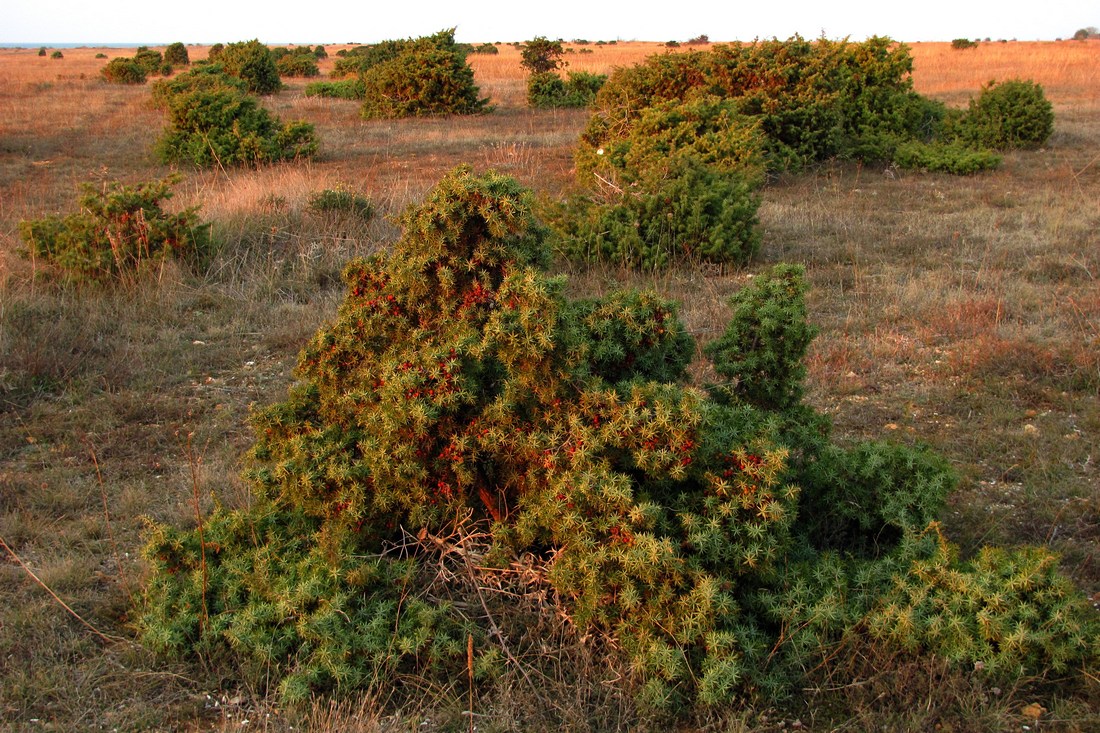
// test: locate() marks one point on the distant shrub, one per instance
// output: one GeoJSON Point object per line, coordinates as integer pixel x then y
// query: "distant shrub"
{"type": "Point", "coordinates": [540, 55]}
{"type": "Point", "coordinates": [487, 48]}
{"type": "Point", "coordinates": [427, 77]}
{"type": "Point", "coordinates": [578, 89]}
{"type": "Point", "coordinates": [148, 59]}
{"type": "Point", "coordinates": [101, 55]}
{"type": "Point", "coordinates": [342, 201]}
{"type": "Point", "coordinates": [42, 51]}
{"type": "Point", "coordinates": [344, 89]}
{"type": "Point", "coordinates": [672, 44]}
{"type": "Point", "coordinates": [123, 70]}
{"type": "Point", "coordinates": [252, 62]}
{"type": "Point", "coordinates": [360, 59]}
{"type": "Point", "coordinates": [963, 43]}
{"type": "Point", "coordinates": [222, 126]}
{"type": "Point", "coordinates": [215, 52]}
{"type": "Point", "coordinates": [57, 55]}
{"type": "Point", "coordinates": [700, 40]}
{"type": "Point", "coordinates": [176, 55]}
{"type": "Point", "coordinates": [298, 65]}
{"type": "Point", "coordinates": [1008, 115]}
{"type": "Point", "coordinates": [119, 231]}
{"type": "Point", "coordinates": [320, 53]}
{"type": "Point", "coordinates": [944, 157]}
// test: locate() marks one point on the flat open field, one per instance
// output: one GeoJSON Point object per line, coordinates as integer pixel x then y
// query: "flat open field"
{"type": "Point", "coordinates": [961, 312]}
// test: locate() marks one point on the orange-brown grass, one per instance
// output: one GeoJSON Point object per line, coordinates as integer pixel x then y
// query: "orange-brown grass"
{"type": "Point", "coordinates": [1069, 71]}
{"type": "Point", "coordinates": [961, 312]}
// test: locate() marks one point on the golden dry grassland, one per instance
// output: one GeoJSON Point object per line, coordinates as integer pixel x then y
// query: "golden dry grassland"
{"type": "Point", "coordinates": [960, 312]}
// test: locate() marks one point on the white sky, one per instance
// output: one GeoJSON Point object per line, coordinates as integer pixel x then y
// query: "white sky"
{"type": "Point", "coordinates": [366, 21]}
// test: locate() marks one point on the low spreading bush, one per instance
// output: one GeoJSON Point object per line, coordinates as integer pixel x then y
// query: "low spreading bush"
{"type": "Point", "coordinates": [119, 231]}
{"type": "Point", "coordinates": [340, 200]}
{"type": "Point", "coordinates": [960, 44]}
{"type": "Point", "coordinates": [223, 126]}
{"type": "Point", "coordinates": [956, 158]}
{"type": "Point", "coordinates": [549, 90]}
{"type": "Point", "coordinates": [57, 55]}
{"type": "Point", "coordinates": [487, 48]}
{"type": "Point", "coordinates": [123, 70]}
{"type": "Point", "coordinates": [207, 77]}
{"type": "Point", "coordinates": [298, 64]}
{"type": "Point", "coordinates": [344, 89]}
{"type": "Point", "coordinates": [716, 539]}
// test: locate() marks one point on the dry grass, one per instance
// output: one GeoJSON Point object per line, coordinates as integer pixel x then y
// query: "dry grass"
{"type": "Point", "coordinates": [964, 313]}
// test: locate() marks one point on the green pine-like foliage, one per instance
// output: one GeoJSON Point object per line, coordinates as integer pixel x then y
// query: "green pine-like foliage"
{"type": "Point", "coordinates": [717, 538]}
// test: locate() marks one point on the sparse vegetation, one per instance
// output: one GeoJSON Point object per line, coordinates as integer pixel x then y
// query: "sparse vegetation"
{"type": "Point", "coordinates": [961, 44]}
{"type": "Point", "coordinates": [118, 232]}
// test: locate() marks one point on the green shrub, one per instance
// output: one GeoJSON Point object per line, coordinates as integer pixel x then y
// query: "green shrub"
{"type": "Point", "coordinates": [57, 55]}
{"type": "Point", "coordinates": [123, 70]}
{"type": "Point", "coordinates": [215, 52]}
{"type": "Point", "coordinates": [101, 55]}
{"type": "Point", "coordinates": [176, 55]}
{"type": "Point", "coordinates": [459, 391]}
{"type": "Point", "coordinates": [541, 55]}
{"type": "Point", "coordinates": [298, 64]}
{"type": "Point", "coordinates": [690, 212]}
{"type": "Point", "coordinates": [681, 186]}
{"type": "Point", "coordinates": [963, 43]}
{"type": "Point", "coordinates": [208, 77]}
{"type": "Point", "coordinates": [548, 90]}
{"type": "Point", "coordinates": [812, 100]}
{"type": "Point", "coordinates": [761, 353]}
{"type": "Point", "coordinates": [487, 48]}
{"type": "Point", "coordinates": [150, 60]}
{"type": "Point", "coordinates": [222, 126]}
{"type": "Point", "coordinates": [42, 51]}
{"type": "Point", "coordinates": [340, 200]}
{"type": "Point", "coordinates": [320, 53]}
{"type": "Point", "coordinates": [358, 60]}
{"type": "Point", "coordinates": [1009, 115]}
{"type": "Point", "coordinates": [345, 89]}
{"type": "Point", "coordinates": [428, 77]}
{"type": "Point", "coordinates": [251, 61]}
{"type": "Point", "coordinates": [119, 231]}
{"type": "Point", "coordinates": [955, 158]}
